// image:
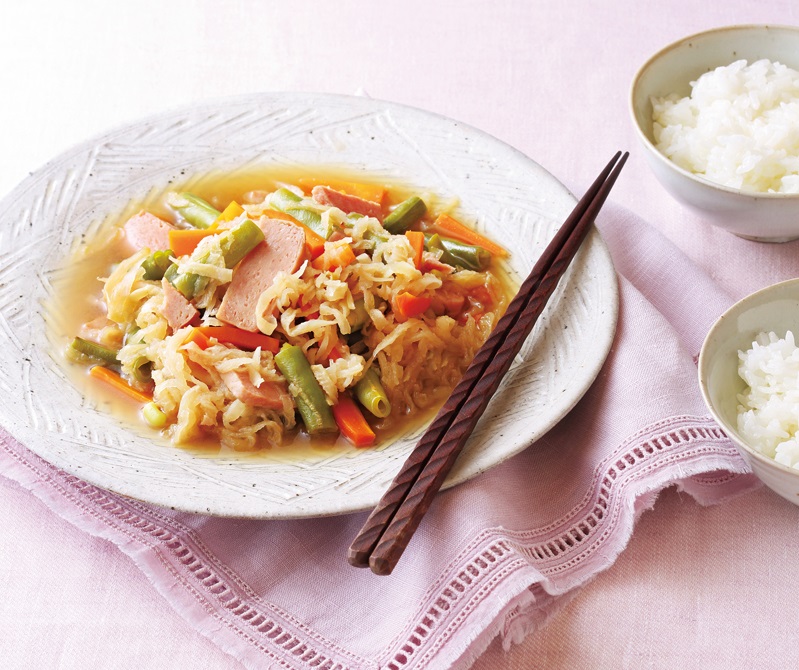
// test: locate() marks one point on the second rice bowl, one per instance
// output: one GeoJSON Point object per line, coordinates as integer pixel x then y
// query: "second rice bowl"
{"type": "Point", "coordinates": [774, 309]}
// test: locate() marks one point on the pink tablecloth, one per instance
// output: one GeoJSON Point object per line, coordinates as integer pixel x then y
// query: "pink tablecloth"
{"type": "Point", "coordinates": [551, 81]}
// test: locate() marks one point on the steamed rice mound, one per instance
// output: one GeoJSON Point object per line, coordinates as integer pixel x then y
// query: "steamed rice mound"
{"type": "Point", "coordinates": [768, 410]}
{"type": "Point", "coordinates": [739, 127]}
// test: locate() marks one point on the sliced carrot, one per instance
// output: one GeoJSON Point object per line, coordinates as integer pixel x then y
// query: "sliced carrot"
{"type": "Point", "coordinates": [370, 192]}
{"type": "Point", "coordinates": [407, 306]}
{"type": "Point", "coordinates": [351, 422]}
{"type": "Point", "coordinates": [334, 256]}
{"type": "Point", "coordinates": [314, 242]}
{"type": "Point", "coordinates": [230, 212]}
{"type": "Point", "coordinates": [243, 339]}
{"type": "Point", "coordinates": [112, 378]}
{"type": "Point", "coordinates": [416, 238]}
{"type": "Point", "coordinates": [450, 227]}
{"type": "Point", "coordinates": [275, 214]}
{"type": "Point", "coordinates": [184, 241]}
{"type": "Point", "coordinates": [199, 338]}
{"type": "Point", "coordinates": [343, 256]}
{"type": "Point", "coordinates": [336, 351]}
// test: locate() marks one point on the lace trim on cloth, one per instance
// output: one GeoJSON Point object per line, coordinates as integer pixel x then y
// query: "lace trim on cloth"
{"type": "Point", "coordinates": [510, 578]}
{"type": "Point", "coordinates": [690, 452]}
{"type": "Point", "coordinates": [209, 587]}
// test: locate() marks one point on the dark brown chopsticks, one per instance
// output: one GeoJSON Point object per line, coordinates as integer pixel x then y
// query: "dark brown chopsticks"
{"type": "Point", "coordinates": [389, 527]}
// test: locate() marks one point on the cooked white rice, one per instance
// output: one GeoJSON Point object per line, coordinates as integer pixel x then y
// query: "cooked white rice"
{"type": "Point", "coordinates": [768, 411]}
{"type": "Point", "coordinates": [738, 128]}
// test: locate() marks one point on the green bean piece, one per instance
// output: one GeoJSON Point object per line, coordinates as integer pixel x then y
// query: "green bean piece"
{"type": "Point", "coordinates": [404, 215]}
{"type": "Point", "coordinates": [153, 415]}
{"type": "Point", "coordinates": [459, 254]}
{"type": "Point", "coordinates": [132, 335]}
{"type": "Point", "coordinates": [194, 210]}
{"type": "Point", "coordinates": [187, 283]}
{"type": "Point", "coordinates": [371, 394]}
{"type": "Point", "coordinates": [377, 238]}
{"type": "Point", "coordinates": [141, 369]}
{"type": "Point", "coordinates": [290, 203]}
{"type": "Point", "coordinates": [358, 317]}
{"type": "Point", "coordinates": [80, 347]}
{"type": "Point", "coordinates": [283, 198]}
{"type": "Point", "coordinates": [309, 396]}
{"type": "Point", "coordinates": [156, 264]}
{"type": "Point", "coordinates": [311, 219]}
{"type": "Point", "coordinates": [237, 242]}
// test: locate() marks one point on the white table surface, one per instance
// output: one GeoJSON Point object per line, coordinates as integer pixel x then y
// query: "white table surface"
{"type": "Point", "coordinates": [697, 587]}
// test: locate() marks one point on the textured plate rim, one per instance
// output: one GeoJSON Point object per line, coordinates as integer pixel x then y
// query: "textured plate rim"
{"type": "Point", "coordinates": [465, 471]}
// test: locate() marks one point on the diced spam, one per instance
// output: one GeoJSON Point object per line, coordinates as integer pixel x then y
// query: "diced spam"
{"type": "Point", "coordinates": [270, 395]}
{"type": "Point", "coordinates": [178, 311]}
{"type": "Point", "coordinates": [283, 250]}
{"type": "Point", "coordinates": [447, 300]}
{"type": "Point", "coordinates": [348, 204]}
{"type": "Point", "coordinates": [147, 231]}
{"type": "Point", "coordinates": [430, 262]}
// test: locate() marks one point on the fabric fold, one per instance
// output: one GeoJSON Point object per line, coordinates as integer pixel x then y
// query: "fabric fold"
{"type": "Point", "coordinates": [497, 555]}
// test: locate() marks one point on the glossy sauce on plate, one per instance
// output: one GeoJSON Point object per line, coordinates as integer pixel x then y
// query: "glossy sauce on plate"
{"type": "Point", "coordinates": [79, 296]}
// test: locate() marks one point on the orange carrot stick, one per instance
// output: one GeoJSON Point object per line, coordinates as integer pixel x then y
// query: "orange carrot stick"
{"type": "Point", "coordinates": [450, 227]}
{"type": "Point", "coordinates": [336, 351]}
{"type": "Point", "coordinates": [112, 378]}
{"type": "Point", "coordinates": [230, 212]}
{"type": "Point", "coordinates": [334, 256]}
{"type": "Point", "coordinates": [243, 339]}
{"type": "Point", "coordinates": [416, 238]}
{"type": "Point", "coordinates": [408, 306]}
{"type": "Point", "coordinates": [314, 242]}
{"type": "Point", "coordinates": [199, 338]}
{"type": "Point", "coordinates": [185, 241]}
{"type": "Point", "coordinates": [351, 422]}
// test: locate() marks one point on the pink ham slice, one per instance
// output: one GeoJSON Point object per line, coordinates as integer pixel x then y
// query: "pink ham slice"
{"type": "Point", "coordinates": [348, 204]}
{"type": "Point", "coordinates": [270, 395]}
{"type": "Point", "coordinates": [430, 263]}
{"type": "Point", "coordinates": [147, 231]}
{"type": "Point", "coordinates": [282, 250]}
{"type": "Point", "coordinates": [178, 311]}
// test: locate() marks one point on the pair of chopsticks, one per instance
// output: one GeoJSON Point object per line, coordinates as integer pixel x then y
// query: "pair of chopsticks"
{"type": "Point", "coordinates": [389, 527]}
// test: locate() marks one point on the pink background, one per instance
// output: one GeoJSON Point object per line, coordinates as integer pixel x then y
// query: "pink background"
{"type": "Point", "coordinates": [697, 587]}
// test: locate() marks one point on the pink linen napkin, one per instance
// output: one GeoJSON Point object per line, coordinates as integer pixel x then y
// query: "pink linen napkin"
{"type": "Point", "coordinates": [494, 556]}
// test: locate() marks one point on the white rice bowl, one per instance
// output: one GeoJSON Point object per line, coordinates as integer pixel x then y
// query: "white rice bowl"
{"type": "Point", "coordinates": [768, 410]}
{"type": "Point", "coordinates": [738, 128]}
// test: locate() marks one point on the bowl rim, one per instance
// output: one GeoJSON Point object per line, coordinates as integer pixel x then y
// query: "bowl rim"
{"type": "Point", "coordinates": [703, 363]}
{"type": "Point", "coordinates": [656, 153]}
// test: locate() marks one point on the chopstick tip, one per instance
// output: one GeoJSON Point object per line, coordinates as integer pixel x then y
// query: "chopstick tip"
{"type": "Point", "coordinates": [358, 559]}
{"type": "Point", "coordinates": [381, 566]}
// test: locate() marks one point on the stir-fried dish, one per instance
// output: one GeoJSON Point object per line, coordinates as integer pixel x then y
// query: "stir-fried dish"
{"type": "Point", "coordinates": [331, 308]}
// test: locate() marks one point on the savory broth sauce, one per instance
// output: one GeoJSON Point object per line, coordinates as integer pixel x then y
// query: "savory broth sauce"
{"type": "Point", "coordinates": [78, 300]}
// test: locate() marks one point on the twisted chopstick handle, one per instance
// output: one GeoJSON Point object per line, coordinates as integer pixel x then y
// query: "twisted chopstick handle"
{"type": "Point", "coordinates": [389, 527]}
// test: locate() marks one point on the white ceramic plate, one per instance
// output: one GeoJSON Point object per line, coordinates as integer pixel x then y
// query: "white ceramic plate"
{"type": "Point", "coordinates": [512, 198]}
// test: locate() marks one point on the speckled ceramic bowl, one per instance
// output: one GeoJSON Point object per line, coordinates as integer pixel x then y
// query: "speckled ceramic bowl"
{"type": "Point", "coordinates": [776, 309]}
{"type": "Point", "coordinates": [767, 217]}
{"type": "Point", "coordinates": [73, 197]}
